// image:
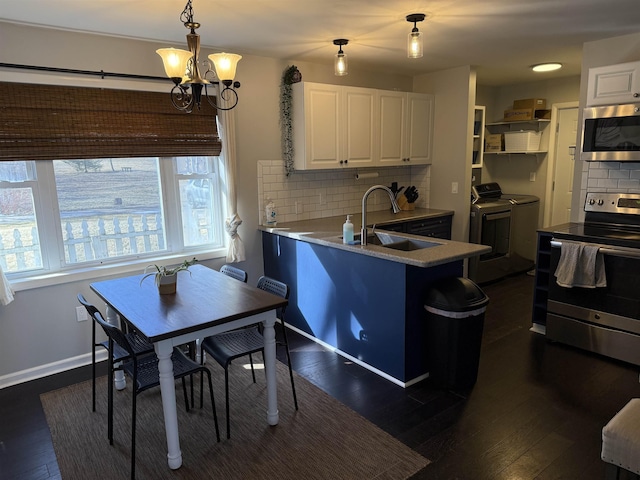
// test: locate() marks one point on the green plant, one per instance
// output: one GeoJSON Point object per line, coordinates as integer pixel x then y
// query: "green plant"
{"type": "Point", "coordinates": [163, 271]}
{"type": "Point", "coordinates": [290, 76]}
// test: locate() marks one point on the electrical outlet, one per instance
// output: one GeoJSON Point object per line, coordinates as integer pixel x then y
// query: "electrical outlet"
{"type": "Point", "coordinates": [299, 208]}
{"type": "Point", "coordinates": [322, 199]}
{"type": "Point", "coordinates": [532, 176]}
{"type": "Point", "coordinates": [81, 314]}
{"type": "Point", "coordinates": [454, 187]}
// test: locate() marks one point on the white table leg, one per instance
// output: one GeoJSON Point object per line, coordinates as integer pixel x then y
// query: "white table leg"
{"type": "Point", "coordinates": [167, 390]}
{"type": "Point", "coordinates": [269, 335]}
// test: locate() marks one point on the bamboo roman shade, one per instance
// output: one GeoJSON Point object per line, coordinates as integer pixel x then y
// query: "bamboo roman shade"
{"type": "Point", "coordinates": [50, 122]}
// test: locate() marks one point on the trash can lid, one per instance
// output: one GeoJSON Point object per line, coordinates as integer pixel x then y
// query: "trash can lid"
{"type": "Point", "coordinates": [456, 295]}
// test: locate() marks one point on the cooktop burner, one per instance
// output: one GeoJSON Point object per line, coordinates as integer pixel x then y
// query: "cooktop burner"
{"type": "Point", "coordinates": [610, 219]}
{"type": "Point", "coordinates": [599, 234]}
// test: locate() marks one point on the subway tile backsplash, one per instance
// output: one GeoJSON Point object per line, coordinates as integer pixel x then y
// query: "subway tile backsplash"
{"type": "Point", "coordinates": [306, 195]}
{"type": "Point", "coordinates": [612, 176]}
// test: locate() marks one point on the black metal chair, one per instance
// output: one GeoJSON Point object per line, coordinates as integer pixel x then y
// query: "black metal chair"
{"type": "Point", "coordinates": [140, 346]}
{"type": "Point", "coordinates": [144, 374]}
{"type": "Point", "coordinates": [234, 272]}
{"type": "Point", "coordinates": [226, 347]}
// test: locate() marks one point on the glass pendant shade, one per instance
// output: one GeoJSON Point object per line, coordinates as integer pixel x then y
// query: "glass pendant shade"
{"type": "Point", "coordinates": [225, 65]}
{"type": "Point", "coordinates": [341, 64]}
{"type": "Point", "coordinates": [414, 44]}
{"type": "Point", "coordinates": [175, 61]}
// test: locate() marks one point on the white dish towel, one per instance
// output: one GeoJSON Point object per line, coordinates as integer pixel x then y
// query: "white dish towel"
{"type": "Point", "coordinates": [6, 292]}
{"type": "Point", "coordinates": [580, 265]}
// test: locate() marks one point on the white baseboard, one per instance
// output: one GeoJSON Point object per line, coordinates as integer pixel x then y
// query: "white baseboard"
{"type": "Point", "coordinates": [537, 328]}
{"type": "Point", "coordinates": [50, 369]}
{"type": "Point", "coordinates": [360, 362]}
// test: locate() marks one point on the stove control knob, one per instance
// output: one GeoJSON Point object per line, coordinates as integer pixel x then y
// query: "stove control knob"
{"type": "Point", "coordinates": [600, 202]}
{"type": "Point", "coordinates": [592, 201]}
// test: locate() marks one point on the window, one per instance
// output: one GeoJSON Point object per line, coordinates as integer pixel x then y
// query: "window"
{"type": "Point", "coordinates": [57, 215]}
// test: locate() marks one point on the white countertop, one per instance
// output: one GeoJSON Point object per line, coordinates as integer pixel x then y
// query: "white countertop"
{"type": "Point", "coordinates": [328, 231]}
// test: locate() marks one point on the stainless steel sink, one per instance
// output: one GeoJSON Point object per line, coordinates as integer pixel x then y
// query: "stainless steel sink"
{"type": "Point", "coordinates": [396, 242]}
{"type": "Point", "coordinates": [409, 245]}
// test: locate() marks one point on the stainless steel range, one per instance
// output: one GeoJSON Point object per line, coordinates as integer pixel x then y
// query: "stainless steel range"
{"type": "Point", "coordinates": [604, 320]}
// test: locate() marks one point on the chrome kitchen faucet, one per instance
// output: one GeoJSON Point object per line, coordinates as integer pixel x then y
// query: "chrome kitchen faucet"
{"type": "Point", "coordinates": [394, 204]}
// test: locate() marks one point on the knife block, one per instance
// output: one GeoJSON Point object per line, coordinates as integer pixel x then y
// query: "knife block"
{"type": "Point", "coordinates": [404, 204]}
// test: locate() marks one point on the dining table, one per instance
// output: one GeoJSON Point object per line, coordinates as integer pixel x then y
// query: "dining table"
{"type": "Point", "coordinates": [206, 302]}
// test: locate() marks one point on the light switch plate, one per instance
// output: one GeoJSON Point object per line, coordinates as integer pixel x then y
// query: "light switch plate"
{"type": "Point", "coordinates": [81, 314]}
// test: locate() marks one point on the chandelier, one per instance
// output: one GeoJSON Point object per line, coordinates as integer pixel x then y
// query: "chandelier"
{"type": "Point", "coordinates": [183, 67]}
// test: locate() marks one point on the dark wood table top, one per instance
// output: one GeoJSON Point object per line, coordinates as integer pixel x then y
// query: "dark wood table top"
{"type": "Point", "coordinates": [204, 298]}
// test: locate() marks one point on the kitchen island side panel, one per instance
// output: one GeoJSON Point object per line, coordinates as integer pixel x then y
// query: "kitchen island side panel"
{"type": "Point", "coordinates": [369, 308]}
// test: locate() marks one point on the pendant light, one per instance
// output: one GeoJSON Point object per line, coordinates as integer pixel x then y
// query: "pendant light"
{"type": "Point", "coordinates": [414, 41]}
{"type": "Point", "coordinates": [341, 58]}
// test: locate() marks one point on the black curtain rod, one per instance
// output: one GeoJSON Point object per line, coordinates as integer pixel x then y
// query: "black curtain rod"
{"type": "Point", "coordinates": [101, 73]}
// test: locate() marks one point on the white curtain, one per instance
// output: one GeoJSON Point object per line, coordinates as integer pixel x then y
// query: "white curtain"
{"type": "Point", "coordinates": [6, 292]}
{"type": "Point", "coordinates": [227, 132]}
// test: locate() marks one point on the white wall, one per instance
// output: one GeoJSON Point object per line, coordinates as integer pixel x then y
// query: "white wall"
{"type": "Point", "coordinates": [38, 331]}
{"type": "Point", "coordinates": [454, 90]}
{"type": "Point", "coordinates": [512, 172]}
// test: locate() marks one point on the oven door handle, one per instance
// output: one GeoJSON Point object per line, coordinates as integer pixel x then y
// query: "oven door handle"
{"type": "Point", "coordinates": [606, 249]}
{"type": "Point", "coordinates": [496, 216]}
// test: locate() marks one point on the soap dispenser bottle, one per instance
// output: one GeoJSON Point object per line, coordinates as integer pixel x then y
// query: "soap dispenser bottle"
{"type": "Point", "coordinates": [347, 231]}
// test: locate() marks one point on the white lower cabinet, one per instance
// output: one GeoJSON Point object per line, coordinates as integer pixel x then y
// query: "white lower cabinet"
{"type": "Point", "coordinates": [351, 127]}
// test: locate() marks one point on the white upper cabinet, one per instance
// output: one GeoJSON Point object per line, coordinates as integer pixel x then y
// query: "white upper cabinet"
{"type": "Point", "coordinates": [333, 126]}
{"type": "Point", "coordinates": [614, 84]}
{"type": "Point", "coordinates": [393, 127]}
{"type": "Point", "coordinates": [406, 128]}
{"type": "Point", "coordinates": [351, 127]}
{"type": "Point", "coordinates": [360, 111]}
{"type": "Point", "coordinates": [420, 128]}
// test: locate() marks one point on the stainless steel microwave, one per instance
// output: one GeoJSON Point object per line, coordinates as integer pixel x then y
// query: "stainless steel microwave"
{"type": "Point", "coordinates": [611, 133]}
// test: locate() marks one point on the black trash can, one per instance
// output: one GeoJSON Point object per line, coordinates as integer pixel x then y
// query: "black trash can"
{"type": "Point", "coordinates": [455, 320]}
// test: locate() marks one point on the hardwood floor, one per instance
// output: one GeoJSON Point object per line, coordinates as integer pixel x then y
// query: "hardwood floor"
{"type": "Point", "coordinates": [536, 411]}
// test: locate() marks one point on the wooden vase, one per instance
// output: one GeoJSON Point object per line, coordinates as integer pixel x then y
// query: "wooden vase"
{"type": "Point", "coordinates": [167, 284]}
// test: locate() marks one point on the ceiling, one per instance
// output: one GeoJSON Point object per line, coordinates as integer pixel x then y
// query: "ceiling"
{"type": "Point", "coordinates": [501, 38]}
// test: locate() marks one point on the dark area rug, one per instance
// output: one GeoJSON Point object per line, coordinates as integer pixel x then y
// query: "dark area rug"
{"type": "Point", "coordinates": [322, 440]}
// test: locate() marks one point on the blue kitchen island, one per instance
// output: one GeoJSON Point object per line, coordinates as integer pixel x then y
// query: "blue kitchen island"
{"type": "Point", "coordinates": [365, 302]}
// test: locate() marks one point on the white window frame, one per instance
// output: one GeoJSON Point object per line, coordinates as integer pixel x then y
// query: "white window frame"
{"type": "Point", "coordinates": [50, 223]}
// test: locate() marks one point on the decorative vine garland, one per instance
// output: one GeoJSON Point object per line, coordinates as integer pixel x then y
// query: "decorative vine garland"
{"type": "Point", "coordinates": [290, 76]}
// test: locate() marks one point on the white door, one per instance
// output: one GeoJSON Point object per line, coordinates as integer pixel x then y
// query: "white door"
{"type": "Point", "coordinates": [565, 149]}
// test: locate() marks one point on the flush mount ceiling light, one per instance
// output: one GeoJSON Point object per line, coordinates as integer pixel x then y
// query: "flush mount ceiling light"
{"type": "Point", "coordinates": [183, 67]}
{"type": "Point", "coordinates": [546, 67]}
{"type": "Point", "coordinates": [341, 58]}
{"type": "Point", "coordinates": [414, 42]}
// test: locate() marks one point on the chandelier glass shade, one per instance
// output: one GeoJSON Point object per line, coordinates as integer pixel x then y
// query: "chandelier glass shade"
{"type": "Point", "coordinates": [183, 68]}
